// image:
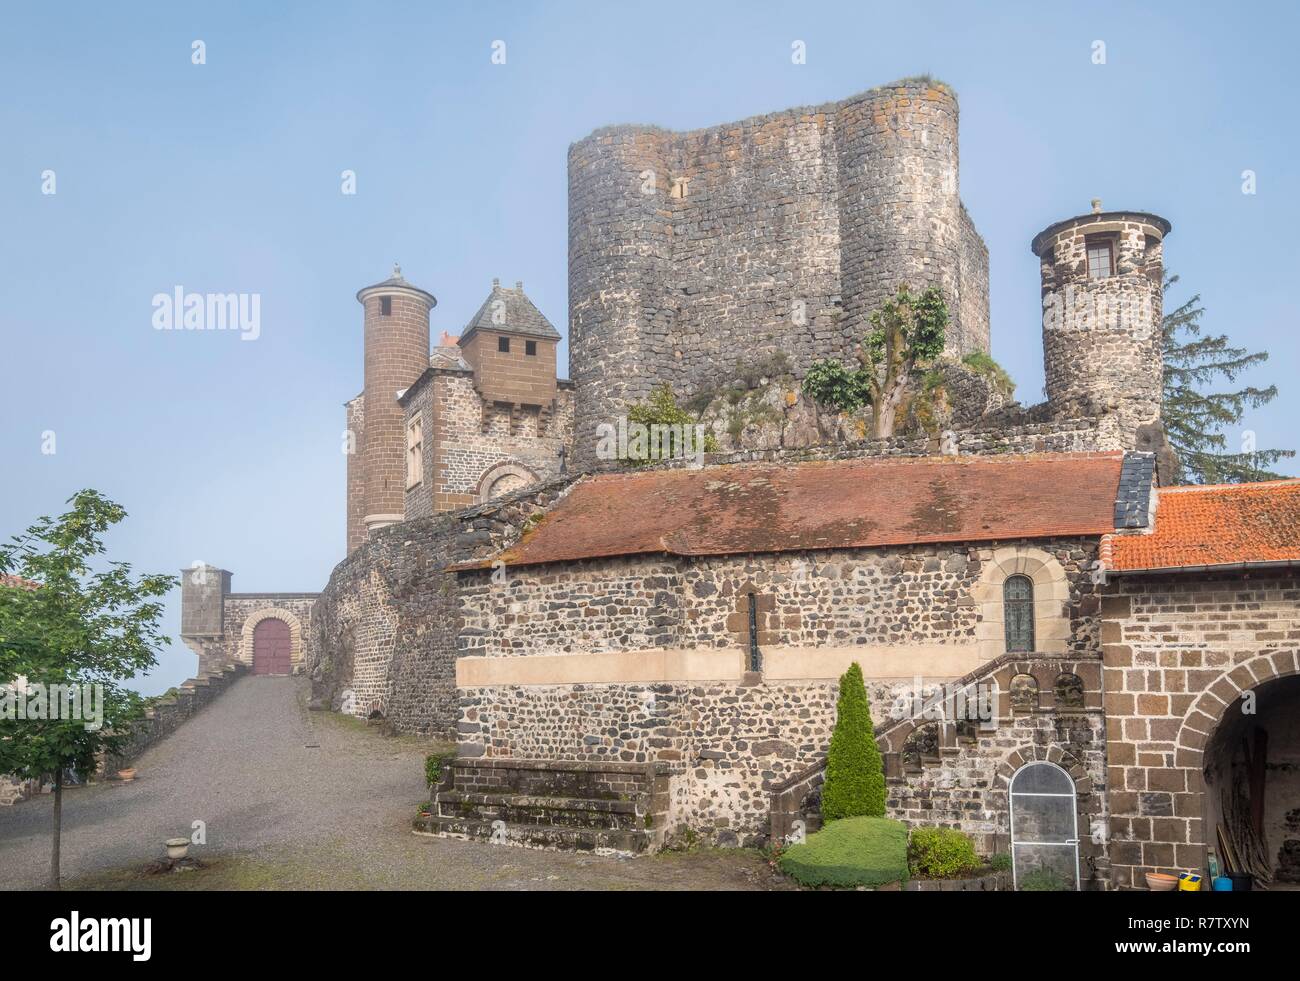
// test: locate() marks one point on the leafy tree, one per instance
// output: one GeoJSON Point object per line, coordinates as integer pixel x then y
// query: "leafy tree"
{"type": "Point", "coordinates": [1194, 419]}
{"type": "Point", "coordinates": [907, 335]}
{"type": "Point", "coordinates": [73, 627]}
{"type": "Point", "coordinates": [855, 775]}
{"type": "Point", "coordinates": [661, 409]}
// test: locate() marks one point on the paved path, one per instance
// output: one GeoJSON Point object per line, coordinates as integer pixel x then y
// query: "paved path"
{"type": "Point", "coordinates": [301, 800]}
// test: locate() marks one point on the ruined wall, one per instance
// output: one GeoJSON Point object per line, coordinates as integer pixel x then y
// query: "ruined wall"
{"type": "Point", "coordinates": [691, 252]}
{"type": "Point", "coordinates": [383, 632]}
{"type": "Point", "coordinates": [1178, 652]}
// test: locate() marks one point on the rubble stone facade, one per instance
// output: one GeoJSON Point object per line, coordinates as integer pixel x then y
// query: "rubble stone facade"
{"type": "Point", "coordinates": [689, 252]}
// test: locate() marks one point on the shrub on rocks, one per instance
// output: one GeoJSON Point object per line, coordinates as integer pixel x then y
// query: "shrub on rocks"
{"type": "Point", "coordinates": [940, 853]}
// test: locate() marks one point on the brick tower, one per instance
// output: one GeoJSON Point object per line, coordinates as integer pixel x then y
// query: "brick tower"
{"type": "Point", "coordinates": [396, 354]}
{"type": "Point", "coordinates": [1102, 289]}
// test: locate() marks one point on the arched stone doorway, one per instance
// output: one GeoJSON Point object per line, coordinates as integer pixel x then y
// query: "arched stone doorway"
{"type": "Point", "coordinates": [1044, 828]}
{"type": "Point", "coordinates": [272, 647]}
{"type": "Point", "coordinates": [1242, 731]}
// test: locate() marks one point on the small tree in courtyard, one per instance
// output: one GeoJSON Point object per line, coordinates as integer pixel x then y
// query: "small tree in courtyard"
{"type": "Point", "coordinates": [69, 636]}
{"type": "Point", "coordinates": [855, 775]}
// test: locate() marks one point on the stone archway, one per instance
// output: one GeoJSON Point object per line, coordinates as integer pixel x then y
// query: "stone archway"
{"type": "Point", "coordinates": [1210, 734]}
{"type": "Point", "coordinates": [272, 613]}
{"type": "Point", "coordinates": [1091, 846]}
{"type": "Point", "coordinates": [502, 478]}
{"type": "Point", "coordinates": [1051, 592]}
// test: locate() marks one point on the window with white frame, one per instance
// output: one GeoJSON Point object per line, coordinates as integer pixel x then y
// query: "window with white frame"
{"type": "Point", "coordinates": [414, 452]}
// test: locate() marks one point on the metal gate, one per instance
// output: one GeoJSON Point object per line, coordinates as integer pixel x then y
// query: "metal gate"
{"type": "Point", "coordinates": [1044, 829]}
{"type": "Point", "coordinates": [272, 648]}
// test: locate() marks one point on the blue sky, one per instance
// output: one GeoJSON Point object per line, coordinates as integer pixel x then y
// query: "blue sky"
{"type": "Point", "coordinates": [225, 177]}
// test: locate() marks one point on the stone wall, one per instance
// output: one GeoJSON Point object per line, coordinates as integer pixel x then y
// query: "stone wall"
{"type": "Point", "coordinates": [1179, 652]}
{"type": "Point", "coordinates": [689, 252]}
{"type": "Point", "coordinates": [475, 449]}
{"type": "Point", "coordinates": [383, 632]}
{"type": "Point", "coordinates": [729, 735]}
{"type": "Point", "coordinates": [218, 625]}
{"type": "Point", "coordinates": [169, 712]}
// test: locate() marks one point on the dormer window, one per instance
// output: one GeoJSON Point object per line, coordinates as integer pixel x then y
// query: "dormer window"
{"type": "Point", "coordinates": [530, 348]}
{"type": "Point", "coordinates": [1101, 258]}
{"type": "Point", "coordinates": [385, 306]}
{"type": "Point", "coordinates": [503, 345]}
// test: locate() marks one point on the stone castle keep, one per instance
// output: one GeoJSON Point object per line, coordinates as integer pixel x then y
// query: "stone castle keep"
{"type": "Point", "coordinates": [627, 654]}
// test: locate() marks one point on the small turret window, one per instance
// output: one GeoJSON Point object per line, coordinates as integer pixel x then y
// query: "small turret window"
{"type": "Point", "coordinates": [530, 348]}
{"type": "Point", "coordinates": [1018, 612]}
{"type": "Point", "coordinates": [503, 345]}
{"type": "Point", "coordinates": [1101, 258]}
{"type": "Point", "coordinates": [386, 306]}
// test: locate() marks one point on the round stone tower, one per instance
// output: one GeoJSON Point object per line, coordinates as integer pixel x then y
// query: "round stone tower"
{"type": "Point", "coordinates": [1102, 289]}
{"type": "Point", "coordinates": [396, 354]}
{"type": "Point", "coordinates": [899, 202]}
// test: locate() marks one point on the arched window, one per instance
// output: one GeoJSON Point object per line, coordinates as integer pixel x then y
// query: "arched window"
{"type": "Point", "coordinates": [1018, 612]}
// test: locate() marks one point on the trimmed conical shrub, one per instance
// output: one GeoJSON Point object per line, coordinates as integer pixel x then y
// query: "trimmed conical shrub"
{"type": "Point", "coordinates": [855, 776]}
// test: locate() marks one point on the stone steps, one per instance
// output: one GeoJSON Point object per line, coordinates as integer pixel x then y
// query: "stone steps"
{"type": "Point", "coordinates": [590, 805]}
{"type": "Point", "coordinates": [569, 812]}
{"type": "Point", "coordinates": [599, 840]}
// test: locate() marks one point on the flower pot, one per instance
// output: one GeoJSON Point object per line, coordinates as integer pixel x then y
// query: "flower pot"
{"type": "Point", "coordinates": [1241, 881]}
{"type": "Point", "coordinates": [127, 775]}
{"type": "Point", "coordinates": [177, 848]}
{"type": "Point", "coordinates": [1160, 882]}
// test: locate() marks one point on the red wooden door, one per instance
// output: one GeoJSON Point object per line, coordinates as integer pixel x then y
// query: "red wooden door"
{"type": "Point", "coordinates": [271, 648]}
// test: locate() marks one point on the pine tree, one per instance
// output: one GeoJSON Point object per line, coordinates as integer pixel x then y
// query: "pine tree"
{"type": "Point", "coordinates": [855, 775]}
{"type": "Point", "coordinates": [1194, 419]}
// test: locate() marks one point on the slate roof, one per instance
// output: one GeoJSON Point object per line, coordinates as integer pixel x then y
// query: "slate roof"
{"type": "Point", "coordinates": [743, 508]}
{"type": "Point", "coordinates": [1133, 501]}
{"type": "Point", "coordinates": [1221, 525]}
{"type": "Point", "coordinates": [521, 317]}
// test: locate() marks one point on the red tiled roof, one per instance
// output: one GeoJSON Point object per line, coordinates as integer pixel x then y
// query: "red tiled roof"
{"type": "Point", "coordinates": [18, 582]}
{"type": "Point", "coordinates": [1225, 524]}
{"type": "Point", "coordinates": [841, 504]}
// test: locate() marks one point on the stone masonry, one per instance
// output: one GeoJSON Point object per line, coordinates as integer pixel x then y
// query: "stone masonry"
{"type": "Point", "coordinates": [691, 251]}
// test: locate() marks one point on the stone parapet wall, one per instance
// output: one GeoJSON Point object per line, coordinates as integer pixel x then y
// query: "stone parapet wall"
{"type": "Point", "coordinates": [168, 713]}
{"type": "Point", "coordinates": [383, 632]}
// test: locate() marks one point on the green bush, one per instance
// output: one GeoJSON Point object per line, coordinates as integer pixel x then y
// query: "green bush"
{"type": "Point", "coordinates": [1001, 862]}
{"type": "Point", "coordinates": [433, 764]}
{"type": "Point", "coordinates": [855, 776]}
{"type": "Point", "coordinates": [858, 851]}
{"type": "Point", "coordinates": [940, 853]}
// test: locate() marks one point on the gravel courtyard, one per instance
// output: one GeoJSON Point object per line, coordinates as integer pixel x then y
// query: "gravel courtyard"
{"type": "Point", "coordinates": [301, 800]}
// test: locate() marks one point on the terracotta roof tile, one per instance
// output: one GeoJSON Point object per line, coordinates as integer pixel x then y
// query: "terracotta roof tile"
{"type": "Point", "coordinates": [841, 504]}
{"type": "Point", "coordinates": [1226, 524]}
{"type": "Point", "coordinates": [18, 582]}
